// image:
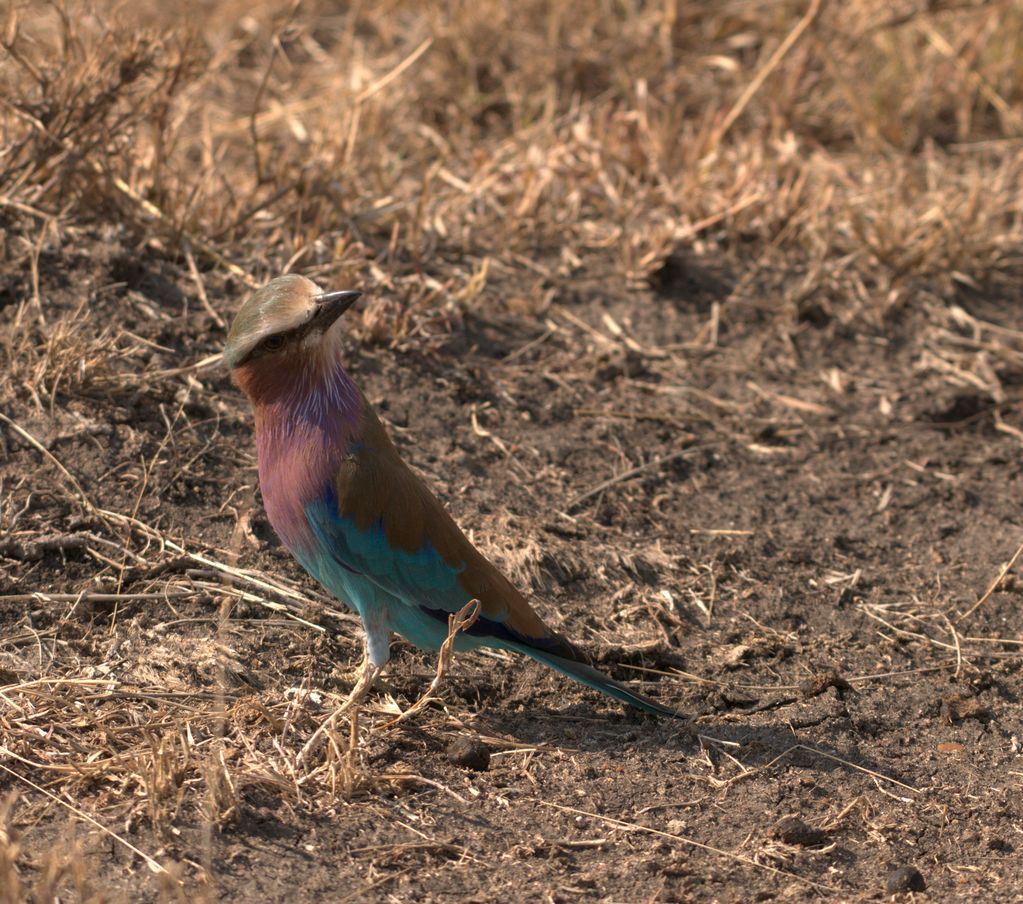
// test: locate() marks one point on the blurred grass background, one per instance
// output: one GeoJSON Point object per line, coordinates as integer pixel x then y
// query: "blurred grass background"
{"type": "Point", "coordinates": [465, 153]}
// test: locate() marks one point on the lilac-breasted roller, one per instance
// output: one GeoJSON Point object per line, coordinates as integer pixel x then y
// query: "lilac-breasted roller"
{"type": "Point", "coordinates": [351, 511]}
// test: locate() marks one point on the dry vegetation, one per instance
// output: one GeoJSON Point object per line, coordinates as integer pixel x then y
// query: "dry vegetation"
{"type": "Point", "coordinates": [787, 182]}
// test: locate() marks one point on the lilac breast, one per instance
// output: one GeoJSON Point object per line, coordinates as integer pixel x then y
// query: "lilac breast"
{"type": "Point", "coordinates": [301, 440]}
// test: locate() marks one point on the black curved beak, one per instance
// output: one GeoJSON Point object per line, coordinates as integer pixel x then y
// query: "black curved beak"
{"type": "Point", "coordinates": [331, 305]}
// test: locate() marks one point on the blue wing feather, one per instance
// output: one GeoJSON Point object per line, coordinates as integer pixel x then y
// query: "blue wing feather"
{"type": "Point", "coordinates": [421, 578]}
{"type": "Point", "coordinates": [425, 586]}
{"type": "Point", "coordinates": [360, 566]}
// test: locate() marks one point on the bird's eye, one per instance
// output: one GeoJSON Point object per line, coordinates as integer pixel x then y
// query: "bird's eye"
{"type": "Point", "coordinates": [273, 343]}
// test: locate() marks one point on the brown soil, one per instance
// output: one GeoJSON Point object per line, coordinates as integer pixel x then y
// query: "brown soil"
{"type": "Point", "coordinates": [793, 583]}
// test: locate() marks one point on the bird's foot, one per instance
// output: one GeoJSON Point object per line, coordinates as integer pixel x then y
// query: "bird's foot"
{"type": "Point", "coordinates": [367, 677]}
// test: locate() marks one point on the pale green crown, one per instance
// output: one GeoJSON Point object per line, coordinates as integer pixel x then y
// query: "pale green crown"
{"type": "Point", "coordinates": [282, 304]}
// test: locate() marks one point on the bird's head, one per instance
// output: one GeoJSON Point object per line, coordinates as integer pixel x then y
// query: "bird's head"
{"type": "Point", "coordinates": [283, 328]}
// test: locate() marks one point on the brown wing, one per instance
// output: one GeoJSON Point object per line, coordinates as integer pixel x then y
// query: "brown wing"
{"type": "Point", "coordinates": [376, 486]}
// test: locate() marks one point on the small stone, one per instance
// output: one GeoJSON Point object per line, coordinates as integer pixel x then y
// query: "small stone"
{"type": "Point", "coordinates": [905, 878]}
{"type": "Point", "coordinates": [469, 753]}
{"type": "Point", "coordinates": [817, 685]}
{"type": "Point", "coordinates": [793, 830]}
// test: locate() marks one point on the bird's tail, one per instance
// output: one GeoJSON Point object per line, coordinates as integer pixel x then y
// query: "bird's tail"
{"type": "Point", "coordinates": [579, 670]}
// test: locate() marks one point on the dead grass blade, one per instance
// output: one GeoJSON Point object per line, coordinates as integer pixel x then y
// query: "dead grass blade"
{"type": "Point", "coordinates": [692, 842]}
{"type": "Point", "coordinates": [756, 83]}
{"type": "Point", "coordinates": [154, 865]}
{"type": "Point", "coordinates": [459, 621]}
{"type": "Point", "coordinates": [993, 586]}
{"type": "Point", "coordinates": [49, 456]}
{"type": "Point", "coordinates": [651, 465]}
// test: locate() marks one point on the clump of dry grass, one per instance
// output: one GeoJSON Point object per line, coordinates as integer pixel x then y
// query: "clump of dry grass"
{"type": "Point", "coordinates": [430, 152]}
{"type": "Point", "coordinates": [70, 357]}
{"type": "Point", "coordinates": [57, 872]}
{"type": "Point", "coordinates": [163, 751]}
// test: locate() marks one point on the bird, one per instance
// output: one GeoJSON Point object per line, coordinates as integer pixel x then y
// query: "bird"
{"type": "Point", "coordinates": [354, 514]}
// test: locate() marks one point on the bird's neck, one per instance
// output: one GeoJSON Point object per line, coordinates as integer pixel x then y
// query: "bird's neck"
{"type": "Point", "coordinates": [304, 429]}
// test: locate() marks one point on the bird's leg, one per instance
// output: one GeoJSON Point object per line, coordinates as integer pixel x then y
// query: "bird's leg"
{"type": "Point", "coordinates": [378, 651]}
{"type": "Point", "coordinates": [367, 676]}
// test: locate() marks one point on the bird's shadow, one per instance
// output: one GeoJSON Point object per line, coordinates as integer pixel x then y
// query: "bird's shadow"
{"type": "Point", "coordinates": [734, 746]}
{"type": "Point", "coordinates": [749, 748]}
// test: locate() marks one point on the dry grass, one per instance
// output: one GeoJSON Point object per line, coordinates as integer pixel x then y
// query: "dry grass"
{"type": "Point", "coordinates": [463, 157]}
{"type": "Point", "coordinates": [429, 152]}
{"type": "Point", "coordinates": [432, 154]}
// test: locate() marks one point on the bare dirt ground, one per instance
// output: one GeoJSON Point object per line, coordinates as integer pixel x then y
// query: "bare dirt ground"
{"type": "Point", "coordinates": [733, 397]}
